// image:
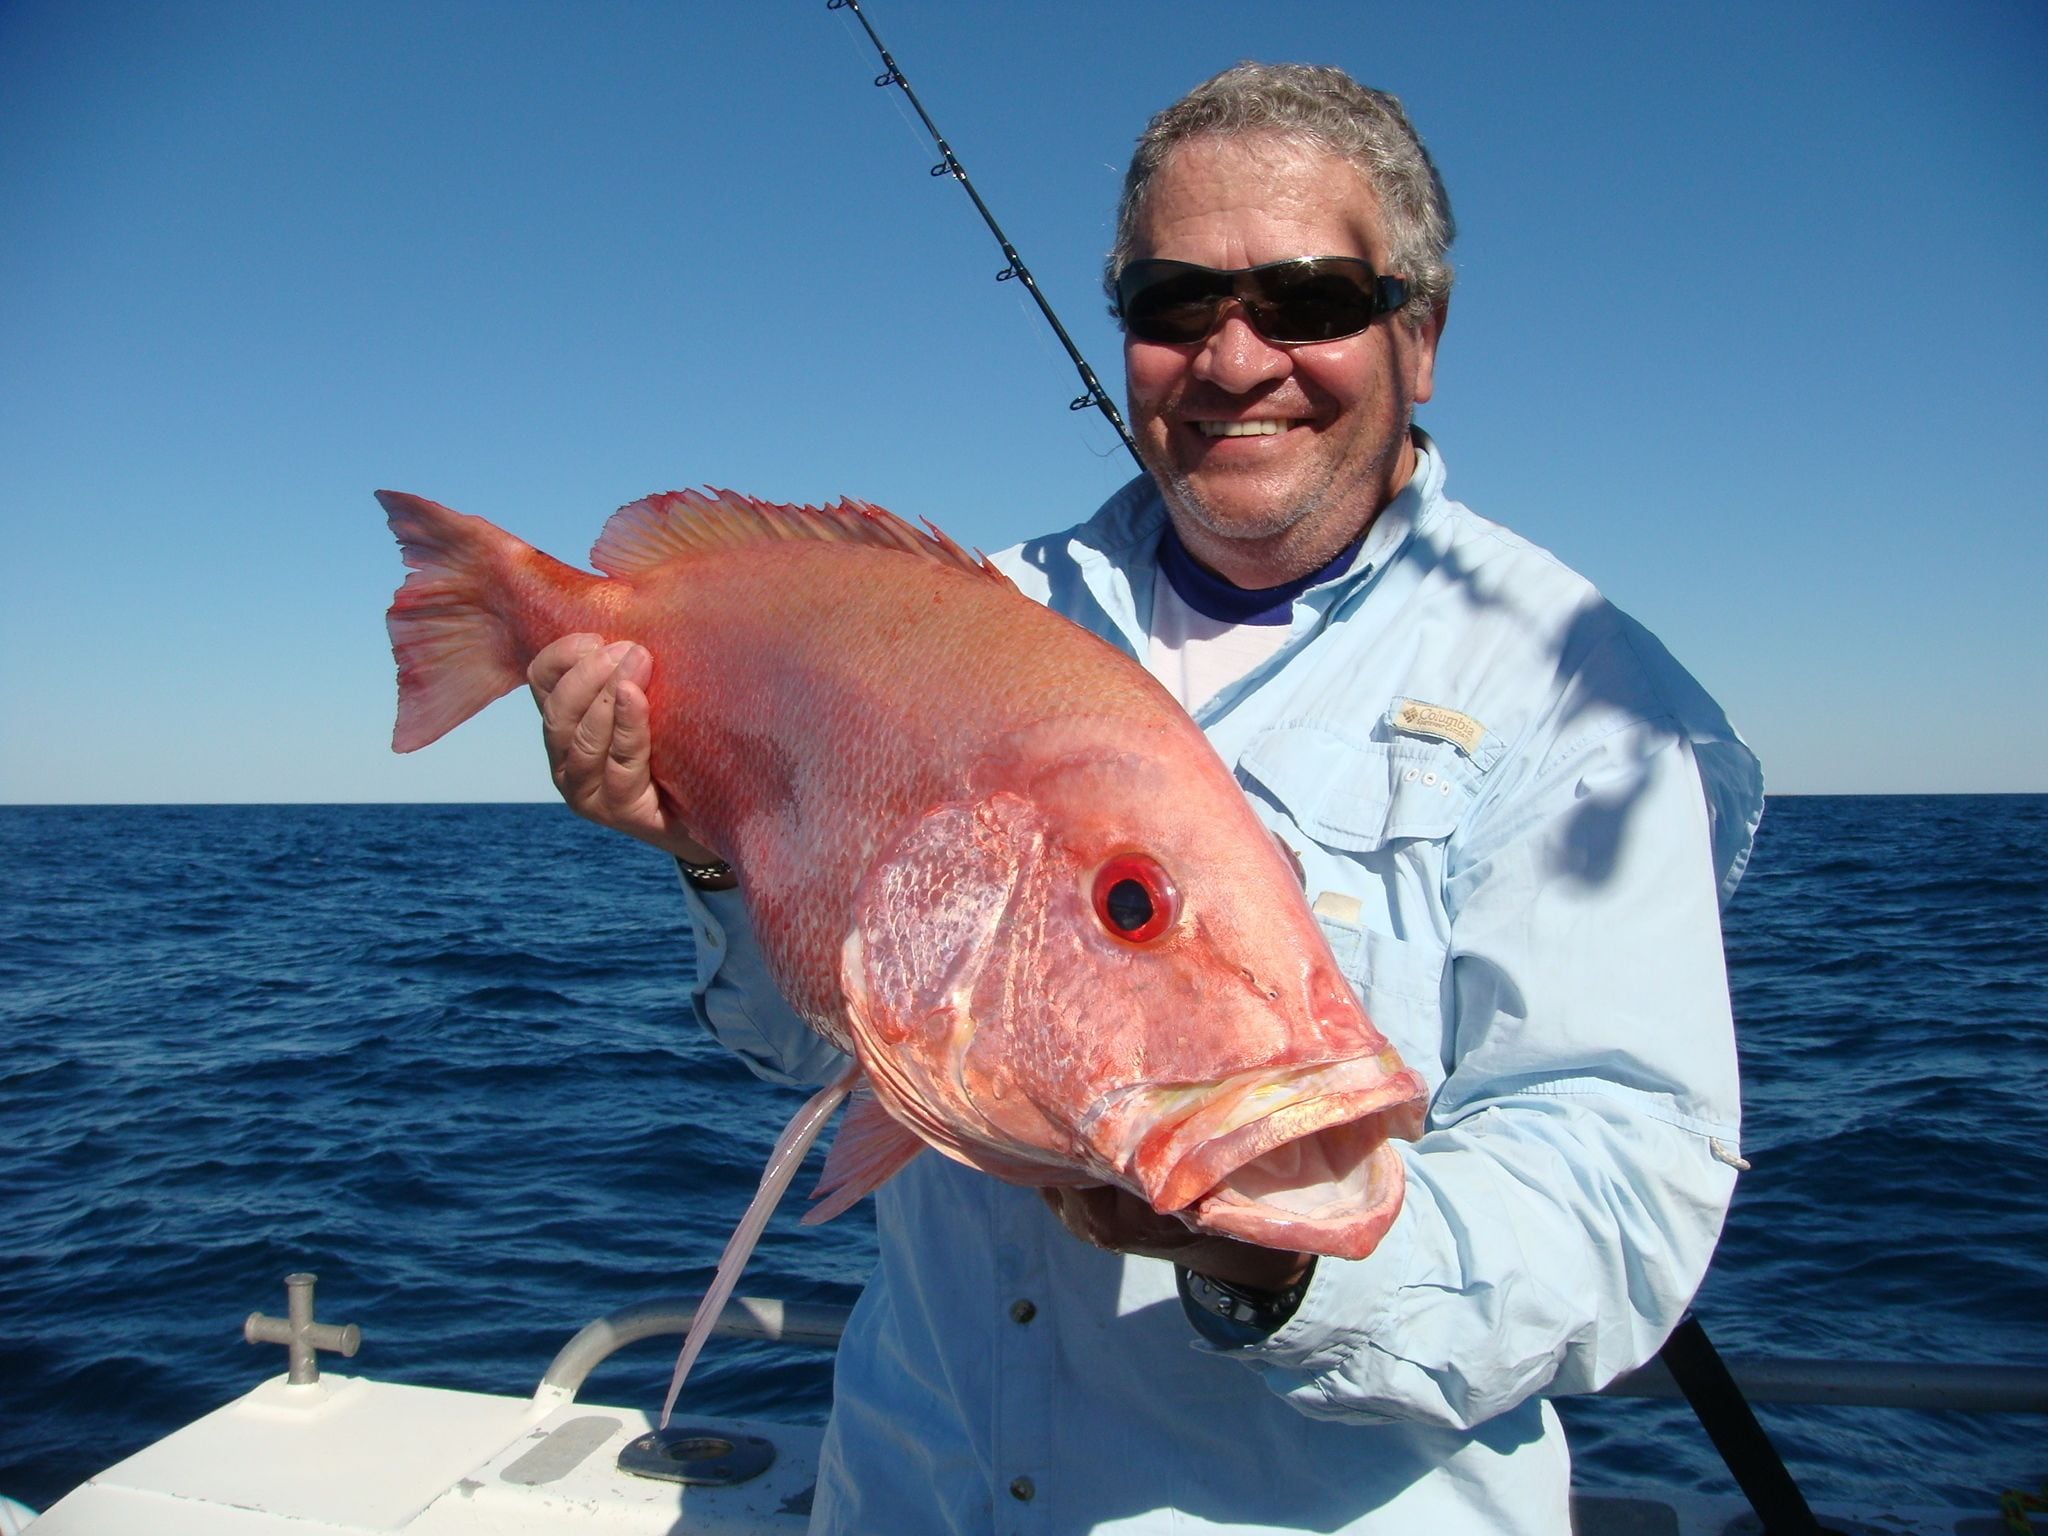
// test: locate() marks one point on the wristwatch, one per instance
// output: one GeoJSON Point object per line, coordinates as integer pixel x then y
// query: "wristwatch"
{"type": "Point", "coordinates": [714, 876]}
{"type": "Point", "coordinates": [1232, 1316]}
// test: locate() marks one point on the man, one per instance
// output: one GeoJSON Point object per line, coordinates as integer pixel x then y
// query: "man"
{"type": "Point", "coordinates": [1515, 815]}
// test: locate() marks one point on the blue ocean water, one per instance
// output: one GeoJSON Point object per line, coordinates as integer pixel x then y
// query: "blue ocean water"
{"type": "Point", "coordinates": [437, 1055]}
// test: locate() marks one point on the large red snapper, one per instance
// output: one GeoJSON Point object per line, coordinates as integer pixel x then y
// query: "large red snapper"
{"type": "Point", "coordinates": [983, 851]}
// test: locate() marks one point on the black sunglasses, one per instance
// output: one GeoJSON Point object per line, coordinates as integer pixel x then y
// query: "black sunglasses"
{"type": "Point", "coordinates": [1311, 298]}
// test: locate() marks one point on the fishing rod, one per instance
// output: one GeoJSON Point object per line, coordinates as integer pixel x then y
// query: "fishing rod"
{"type": "Point", "coordinates": [949, 165]}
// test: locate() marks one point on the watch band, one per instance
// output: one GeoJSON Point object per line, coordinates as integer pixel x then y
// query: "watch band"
{"type": "Point", "coordinates": [1232, 1316]}
{"type": "Point", "coordinates": [714, 876]}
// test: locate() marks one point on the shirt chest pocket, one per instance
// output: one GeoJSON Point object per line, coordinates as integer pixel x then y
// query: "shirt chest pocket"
{"type": "Point", "coordinates": [1371, 822]}
{"type": "Point", "coordinates": [1360, 796]}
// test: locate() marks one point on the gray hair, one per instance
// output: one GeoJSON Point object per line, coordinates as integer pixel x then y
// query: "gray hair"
{"type": "Point", "coordinates": [1322, 108]}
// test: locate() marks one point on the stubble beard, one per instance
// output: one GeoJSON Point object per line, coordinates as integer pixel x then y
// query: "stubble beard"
{"type": "Point", "coordinates": [1300, 512]}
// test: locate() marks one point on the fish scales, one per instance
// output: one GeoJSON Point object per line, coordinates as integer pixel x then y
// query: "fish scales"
{"type": "Point", "coordinates": [983, 851]}
{"type": "Point", "coordinates": [820, 700]}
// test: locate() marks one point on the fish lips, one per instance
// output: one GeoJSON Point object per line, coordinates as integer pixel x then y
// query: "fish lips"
{"type": "Point", "coordinates": [1296, 1159]}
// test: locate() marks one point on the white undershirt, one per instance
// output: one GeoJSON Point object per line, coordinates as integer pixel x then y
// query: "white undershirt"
{"type": "Point", "coordinates": [1197, 657]}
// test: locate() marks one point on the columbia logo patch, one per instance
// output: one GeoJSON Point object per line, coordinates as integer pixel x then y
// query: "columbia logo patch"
{"type": "Point", "coordinates": [1438, 723]}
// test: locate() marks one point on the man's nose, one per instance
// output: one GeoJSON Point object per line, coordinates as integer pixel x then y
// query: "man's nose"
{"type": "Point", "coordinates": [1236, 357]}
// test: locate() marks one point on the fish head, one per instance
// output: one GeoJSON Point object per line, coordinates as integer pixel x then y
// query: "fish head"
{"type": "Point", "coordinates": [1100, 968]}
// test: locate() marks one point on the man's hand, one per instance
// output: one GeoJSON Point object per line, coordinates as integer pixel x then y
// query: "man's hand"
{"type": "Point", "coordinates": [1110, 1218]}
{"type": "Point", "coordinates": [593, 716]}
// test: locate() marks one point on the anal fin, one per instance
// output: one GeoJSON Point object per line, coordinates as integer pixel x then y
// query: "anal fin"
{"type": "Point", "coordinates": [783, 1161]}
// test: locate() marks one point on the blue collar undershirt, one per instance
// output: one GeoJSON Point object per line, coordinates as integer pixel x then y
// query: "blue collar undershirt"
{"type": "Point", "coordinates": [1214, 598]}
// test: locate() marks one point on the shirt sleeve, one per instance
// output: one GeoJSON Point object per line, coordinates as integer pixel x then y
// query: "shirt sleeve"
{"type": "Point", "coordinates": [733, 996]}
{"type": "Point", "coordinates": [1563, 1202]}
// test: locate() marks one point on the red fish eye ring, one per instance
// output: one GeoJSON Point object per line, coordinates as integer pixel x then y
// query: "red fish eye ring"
{"type": "Point", "coordinates": [1134, 899]}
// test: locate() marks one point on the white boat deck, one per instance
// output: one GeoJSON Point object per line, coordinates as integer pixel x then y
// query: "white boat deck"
{"type": "Point", "coordinates": [335, 1455]}
{"type": "Point", "coordinates": [348, 1455]}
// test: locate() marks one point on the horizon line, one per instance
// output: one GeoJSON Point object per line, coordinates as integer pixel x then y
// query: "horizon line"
{"type": "Point", "coordinates": [88, 805]}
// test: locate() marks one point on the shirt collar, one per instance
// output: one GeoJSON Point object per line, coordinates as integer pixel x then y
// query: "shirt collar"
{"type": "Point", "coordinates": [1114, 552]}
{"type": "Point", "coordinates": [1414, 507]}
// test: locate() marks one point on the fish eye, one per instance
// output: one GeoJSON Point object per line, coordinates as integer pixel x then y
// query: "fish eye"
{"type": "Point", "coordinates": [1134, 899]}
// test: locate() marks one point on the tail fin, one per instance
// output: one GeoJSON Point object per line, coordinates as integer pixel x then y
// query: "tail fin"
{"type": "Point", "coordinates": [456, 651]}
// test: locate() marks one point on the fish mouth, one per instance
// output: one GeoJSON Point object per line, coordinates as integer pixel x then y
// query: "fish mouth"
{"type": "Point", "coordinates": [1334, 1191]}
{"type": "Point", "coordinates": [1296, 1160]}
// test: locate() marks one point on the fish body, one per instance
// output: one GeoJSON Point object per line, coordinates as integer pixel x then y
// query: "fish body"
{"type": "Point", "coordinates": [983, 851]}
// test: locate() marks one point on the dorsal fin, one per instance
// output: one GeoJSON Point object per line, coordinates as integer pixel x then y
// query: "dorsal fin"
{"type": "Point", "coordinates": [652, 532]}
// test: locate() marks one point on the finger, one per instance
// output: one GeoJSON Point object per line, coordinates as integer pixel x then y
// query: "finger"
{"type": "Point", "coordinates": [546, 668]}
{"type": "Point", "coordinates": [628, 776]}
{"type": "Point", "coordinates": [1083, 1211]}
{"type": "Point", "coordinates": [572, 695]}
{"type": "Point", "coordinates": [636, 666]}
{"type": "Point", "coordinates": [1064, 1211]}
{"type": "Point", "coordinates": [586, 747]}
{"type": "Point", "coordinates": [1072, 1213]}
{"type": "Point", "coordinates": [569, 697]}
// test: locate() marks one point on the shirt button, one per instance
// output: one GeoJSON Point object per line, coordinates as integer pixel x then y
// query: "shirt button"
{"type": "Point", "coordinates": [1021, 1489]}
{"type": "Point", "coordinates": [1022, 1311]}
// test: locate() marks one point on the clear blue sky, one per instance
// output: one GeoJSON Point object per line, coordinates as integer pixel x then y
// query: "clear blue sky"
{"type": "Point", "coordinates": [1750, 327]}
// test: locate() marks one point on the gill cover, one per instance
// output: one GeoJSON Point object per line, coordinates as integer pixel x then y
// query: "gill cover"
{"type": "Point", "coordinates": [948, 929]}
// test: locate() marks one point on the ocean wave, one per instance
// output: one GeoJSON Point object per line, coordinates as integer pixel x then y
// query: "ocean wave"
{"type": "Point", "coordinates": [444, 1057]}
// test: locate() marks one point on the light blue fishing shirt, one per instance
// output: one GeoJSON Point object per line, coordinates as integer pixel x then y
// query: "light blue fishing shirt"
{"type": "Point", "coordinates": [1518, 818]}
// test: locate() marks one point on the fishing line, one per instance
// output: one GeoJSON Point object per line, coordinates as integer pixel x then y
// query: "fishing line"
{"type": "Point", "coordinates": [914, 134]}
{"type": "Point", "coordinates": [949, 165]}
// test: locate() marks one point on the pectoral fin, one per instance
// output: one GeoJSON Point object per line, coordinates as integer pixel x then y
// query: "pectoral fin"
{"type": "Point", "coordinates": [869, 1149]}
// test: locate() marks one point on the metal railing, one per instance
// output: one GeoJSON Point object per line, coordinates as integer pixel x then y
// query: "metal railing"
{"type": "Point", "coordinates": [1910, 1384]}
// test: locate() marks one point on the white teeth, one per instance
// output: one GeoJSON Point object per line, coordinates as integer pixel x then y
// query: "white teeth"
{"type": "Point", "coordinates": [1240, 428]}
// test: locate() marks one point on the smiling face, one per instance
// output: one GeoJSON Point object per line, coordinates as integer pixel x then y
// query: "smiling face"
{"type": "Point", "coordinates": [1271, 458]}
